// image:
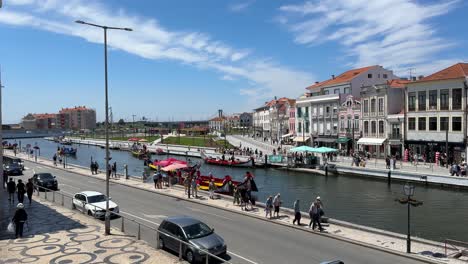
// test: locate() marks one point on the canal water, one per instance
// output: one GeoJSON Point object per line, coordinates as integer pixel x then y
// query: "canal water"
{"type": "Point", "coordinates": [358, 200]}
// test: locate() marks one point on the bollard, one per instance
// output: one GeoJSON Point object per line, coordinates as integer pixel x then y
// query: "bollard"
{"type": "Point", "coordinates": [158, 246]}
{"type": "Point", "coordinates": [53, 197]}
{"type": "Point", "coordinates": [326, 170]}
{"type": "Point", "coordinates": [207, 259]}
{"type": "Point", "coordinates": [126, 171]}
{"type": "Point", "coordinates": [389, 177]}
{"type": "Point", "coordinates": [180, 251]}
{"type": "Point", "coordinates": [139, 235]}
{"type": "Point", "coordinates": [63, 200]}
{"type": "Point", "coordinates": [45, 194]}
{"type": "Point", "coordinates": [122, 228]}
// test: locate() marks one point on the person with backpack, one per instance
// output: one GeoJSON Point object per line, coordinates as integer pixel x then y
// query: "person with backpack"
{"type": "Point", "coordinates": [19, 219]}
{"type": "Point", "coordinates": [11, 187]}
{"type": "Point", "coordinates": [29, 190]}
{"type": "Point", "coordinates": [21, 190]}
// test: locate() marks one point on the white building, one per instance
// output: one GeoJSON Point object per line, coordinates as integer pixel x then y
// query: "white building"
{"type": "Point", "coordinates": [317, 112]}
{"type": "Point", "coordinates": [436, 113]}
{"type": "Point", "coordinates": [261, 121]}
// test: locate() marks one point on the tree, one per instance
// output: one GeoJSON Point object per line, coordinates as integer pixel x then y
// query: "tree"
{"type": "Point", "coordinates": [121, 122]}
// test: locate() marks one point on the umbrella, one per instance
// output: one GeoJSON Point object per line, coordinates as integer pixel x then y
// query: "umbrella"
{"type": "Point", "coordinates": [302, 149]}
{"type": "Point", "coordinates": [133, 139]}
{"type": "Point", "coordinates": [325, 150]}
{"type": "Point", "coordinates": [174, 166]}
{"type": "Point", "coordinates": [167, 162]}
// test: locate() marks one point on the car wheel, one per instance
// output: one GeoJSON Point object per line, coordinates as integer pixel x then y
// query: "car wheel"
{"type": "Point", "coordinates": [90, 213]}
{"type": "Point", "coordinates": [161, 243]}
{"type": "Point", "coordinates": [189, 256]}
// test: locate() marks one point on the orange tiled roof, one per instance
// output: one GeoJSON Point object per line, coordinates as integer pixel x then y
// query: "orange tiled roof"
{"type": "Point", "coordinates": [459, 70]}
{"type": "Point", "coordinates": [217, 119]}
{"type": "Point", "coordinates": [397, 83]}
{"type": "Point", "coordinates": [76, 108]}
{"type": "Point", "coordinates": [342, 78]}
{"type": "Point", "coordinates": [43, 116]}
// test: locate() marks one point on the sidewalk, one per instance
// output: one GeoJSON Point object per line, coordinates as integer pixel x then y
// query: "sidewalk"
{"type": "Point", "coordinates": [370, 237]}
{"type": "Point", "coordinates": [55, 234]}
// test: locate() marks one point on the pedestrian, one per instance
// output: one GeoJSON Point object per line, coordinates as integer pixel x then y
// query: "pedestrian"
{"type": "Point", "coordinates": [185, 177]}
{"type": "Point", "coordinates": [114, 169]}
{"type": "Point", "coordinates": [5, 179]}
{"type": "Point", "coordinates": [297, 213]}
{"type": "Point", "coordinates": [19, 219]}
{"type": "Point", "coordinates": [160, 180]}
{"type": "Point", "coordinates": [236, 195]}
{"type": "Point", "coordinates": [277, 204]}
{"type": "Point", "coordinates": [212, 188]}
{"type": "Point", "coordinates": [11, 186]}
{"type": "Point", "coordinates": [189, 185]}
{"type": "Point", "coordinates": [109, 170]}
{"type": "Point", "coordinates": [387, 162]}
{"type": "Point", "coordinates": [268, 206]}
{"type": "Point", "coordinates": [96, 167]}
{"type": "Point", "coordinates": [314, 213]}
{"type": "Point", "coordinates": [91, 166]}
{"type": "Point", "coordinates": [155, 180]}
{"type": "Point", "coordinates": [29, 190]}
{"type": "Point", "coordinates": [194, 187]}
{"type": "Point", "coordinates": [54, 158]}
{"type": "Point", "coordinates": [21, 190]}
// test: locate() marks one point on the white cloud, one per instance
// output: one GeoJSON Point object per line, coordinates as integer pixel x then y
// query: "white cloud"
{"type": "Point", "coordinates": [150, 40]}
{"type": "Point", "coordinates": [241, 6]}
{"type": "Point", "coordinates": [395, 33]}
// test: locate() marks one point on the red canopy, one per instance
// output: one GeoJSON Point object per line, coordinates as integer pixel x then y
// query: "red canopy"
{"type": "Point", "coordinates": [134, 139]}
{"type": "Point", "coordinates": [167, 162]}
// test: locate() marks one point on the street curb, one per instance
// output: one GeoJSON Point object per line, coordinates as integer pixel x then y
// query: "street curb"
{"type": "Point", "coordinates": [394, 252]}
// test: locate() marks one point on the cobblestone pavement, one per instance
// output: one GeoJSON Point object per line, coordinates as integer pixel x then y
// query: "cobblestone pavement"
{"type": "Point", "coordinates": [54, 234]}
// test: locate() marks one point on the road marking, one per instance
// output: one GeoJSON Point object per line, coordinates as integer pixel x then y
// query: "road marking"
{"type": "Point", "coordinates": [201, 211]}
{"type": "Point", "coordinates": [154, 216]}
{"type": "Point", "coordinates": [122, 212]}
{"type": "Point", "coordinates": [63, 184]}
{"type": "Point", "coordinates": [241, 257]}
{"type": "Point", "coordinates": [39, 167]}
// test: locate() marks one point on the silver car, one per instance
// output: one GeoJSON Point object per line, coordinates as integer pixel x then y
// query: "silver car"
{"type": "Point", "coordinates": [195, 233]}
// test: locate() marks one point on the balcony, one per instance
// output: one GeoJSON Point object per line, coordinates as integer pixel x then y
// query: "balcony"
{"type": "Point", "coordinates": [395, 136]}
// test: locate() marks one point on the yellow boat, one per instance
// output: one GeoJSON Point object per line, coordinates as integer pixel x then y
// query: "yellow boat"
{"type": "Point", "coordinates": [152, 166]}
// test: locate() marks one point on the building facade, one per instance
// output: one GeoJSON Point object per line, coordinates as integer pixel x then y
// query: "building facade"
{"type": "Point", "coordinates": [436, 114]}
{"type": "Point", "coordinates": [261, 122]}
{"type": "Point", "coordinates": [246, 120]}
{"type": "Point", "coordinates": [378, 102]}
{"type": "Point", "coordinates": [349, 124]}
{"type": "Point", "coordinates": [317, 111]}
{"type": "Point", "coordinates": [77, 118]}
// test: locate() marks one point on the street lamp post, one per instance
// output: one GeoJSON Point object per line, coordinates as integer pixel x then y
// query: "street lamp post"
{"type": "Point", "coordinates": [409, 191]}
{"type": "Point", "coordinates": [105, 28]}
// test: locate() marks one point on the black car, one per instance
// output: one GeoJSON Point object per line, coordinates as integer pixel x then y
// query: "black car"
{"type": "Point", "coordinates": [12, 169]}
{"type": "Point", "coordinates": [194, 232]}
{"type": "Point", "coordinates": [45, 180]}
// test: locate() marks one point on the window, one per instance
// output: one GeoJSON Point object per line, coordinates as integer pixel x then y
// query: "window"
{"type": "Point", "coordinates": [432, 123]}
{"type": "Point", "coordinates": [411, 101]}
{"type": "Point", "coordinates": [366, 127]}
{"type": "Point", "coordinates": [350, 124]}
{"type": "Point", "coordinates": [444, 99]}
{"type": "Point", "coordinates": [433, 100]}
{"type": "Point", "coordinates": [299, 127]}
{"type": "Point", "coordinates": [369, 75]}
{"type": "Point", "coordinates": [456, 123]}
{"type": "Point", "coordinates": [356, 123]}
{"type": "Point", "coordinates": [422, 101]}
{"type": "Point", "coordinates": [381, 105]}
{"type": "Point", "coordinates": [422, 124]}
{"type": "Point", "coordinates": [299, 112]}
{"type": "Point", "coordinates": [346, 90]}
{"type": "Point", "coordinates": [366, 106]}
{"type": "Point", "coordinates": [385, 76]}
{"type": "Point", "coordinates": [306, 126]}
{"type": "Point", "coordinates": [327, 110]}
{"type": "Point", "coordinates": [378, 75]}
{"type": "Point", "coordinates": [337, 91]}
{"type": "Point", "coordinates": [306, 113]}
{"type": "Point", "coordinates": [456, 99]}
{"type": "Point", "coordinates": [443, 123]}
{"type": "Point", "coordinates": [373, 128]}
{"type": "Point", "coordinates": [411, 123]}
{"type": "Point", "coordinates": [372, 105]}
{"type": "Point", "coordinates": [326, 92]}
{"type": "Point", "coordinates": [381, 127]}
{"type": "Point", "coordinates": [342, 123]}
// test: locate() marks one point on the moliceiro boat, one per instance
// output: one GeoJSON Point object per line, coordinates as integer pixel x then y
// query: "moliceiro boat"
{"type": "Point", "coordinates": [233, 162]}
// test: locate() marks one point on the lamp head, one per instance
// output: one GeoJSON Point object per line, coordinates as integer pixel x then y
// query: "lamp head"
{"type": "Point", "coordinates": [128, 29]}
{"type": "Point", "coordinates": [408, 189]}
{"type": "Point", "coordinates": [80, 22]}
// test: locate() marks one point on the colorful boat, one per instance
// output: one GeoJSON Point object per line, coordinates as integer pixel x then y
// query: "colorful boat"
{"type": "Point", "coordinates": [224, 185]}
{"type": "Point", "coordinates": [164, 163]}
{"type": "Point", "coordinates": [68, 151]}
{"type": "Point", "coordinates": [233, 163]}
{"type": "Point", "coordinates": [140, 154]}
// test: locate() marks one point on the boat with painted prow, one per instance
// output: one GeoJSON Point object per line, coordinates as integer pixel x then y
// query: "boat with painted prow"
{"type": "Point", "coordinates": [233, 162]}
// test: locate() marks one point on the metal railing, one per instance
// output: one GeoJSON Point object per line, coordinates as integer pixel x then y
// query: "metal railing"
{"type": "Point", "coordinates": [453, 246]}
{"type": "Point", "coordinates": [152, 238]}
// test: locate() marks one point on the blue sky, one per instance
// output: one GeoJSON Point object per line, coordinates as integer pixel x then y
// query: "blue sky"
{"type": "Point", "coordinates": [186, 59]}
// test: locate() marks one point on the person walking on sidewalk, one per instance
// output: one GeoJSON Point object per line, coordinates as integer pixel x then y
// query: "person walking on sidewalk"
{"type": "Point", "coordinates": [114, 169]}
{"type": "Point", "coordinates": [297, 213]}
{"type": "Point", "coordinates": [109, 170]}
{"type": "Point", "coordinates": [189, 185]}
{"type": "Point", "coordinates": [212, 188]}
{"type": "Point", "coordinates": [5, 179]}
{"type": "Point", "coordinates": [236, 196]}
{"type": "Point", "coordinates": [54, 158]}
{"type": "Point", "coordinates": [21, 190]}
{"type": "Point", "coordinates": [268, 206]}
{"type": "Point", "coordinates": [19, 219]}
{"type": "Point", "coordinates": [314, 213]}
{"type": "Point", "coordinates": [29, 190]}
{"type": "Point", "coordinates": [11, 187]}
{"type": "Point", "coordinates": [277, 204]}
{"type": "Point", "coordinates": [194, 187]}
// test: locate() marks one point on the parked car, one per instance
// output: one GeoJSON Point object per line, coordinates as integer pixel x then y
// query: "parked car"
{"type": "Point", "coordinates": [194, 232]}
{"type": "Point", "coordinates": [8, 160]}
{"type": "Point", "coordinates": [12, 169]}
{"type": "Point", "coordinates": [44, 180]}
{"type": "Point", "coordinates": [93, 203]}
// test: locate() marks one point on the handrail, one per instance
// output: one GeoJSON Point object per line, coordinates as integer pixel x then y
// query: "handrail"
{"type": "Point", "coordinates": [453, 243]}
{"type": "Point", "coordinates": [158, 232]}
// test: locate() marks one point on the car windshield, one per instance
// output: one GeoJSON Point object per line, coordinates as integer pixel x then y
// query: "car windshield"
{"type": "Point", "coordinates": [97, 198]}
{"type": "Point", "coordinates": [197, 230]}
{"type": "Point", "coordinates": [45, 176]}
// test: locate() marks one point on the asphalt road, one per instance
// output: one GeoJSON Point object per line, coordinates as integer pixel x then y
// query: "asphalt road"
{"type": "Point", "coordinates": [249, 240]}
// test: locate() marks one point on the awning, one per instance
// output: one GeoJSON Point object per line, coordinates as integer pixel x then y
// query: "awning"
{"type": "Point", "coordinates": [371, 141]}
{"type": "Point", "coordinates": [300, 139]}
{"type": "Point", "coordinates": [287, 135]}
{"type": "Point", "coordinates": [327, 140]}
{"type": "Point", "coordinates": [343, 140]}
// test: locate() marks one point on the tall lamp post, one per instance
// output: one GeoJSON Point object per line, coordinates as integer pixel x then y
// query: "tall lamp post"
{"type": "Point", "coordinates": [409, 191]}
{"type": "Point", "coordinates": [105, 28]}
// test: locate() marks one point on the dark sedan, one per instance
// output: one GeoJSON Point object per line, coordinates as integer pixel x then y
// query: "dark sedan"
{"type": "Point", "coordinates": [195, 233]}
{"type": "Point", "coordinates": [13, 169]}
{"type": "Point", "coordinates": [44, 180]}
